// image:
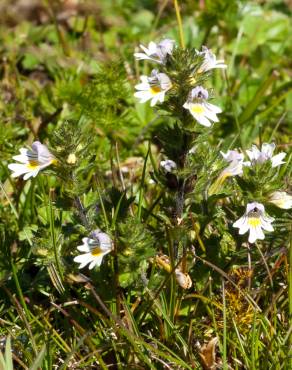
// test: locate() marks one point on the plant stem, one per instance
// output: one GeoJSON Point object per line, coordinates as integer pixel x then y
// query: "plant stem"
{"type": "Point", "coordinates": [290, 294]}
{"type": "Point", "coordinates": [53, 236]}
{"type": "Point", "coordinates": [141, 186]}
{"type": "Point", "coordinates": [225, 366]}
{"type": "Point", "coordinates": [179, 23]}
{"type": "Point", "coordinates": [102, 204]}
{"type": "Point", "coordinates": [179, 206]}
{"type": "Point", "coordinates": [266, 264]}
{"type": "Point", "coordinates": [61, 37]}
{"type": "Point", "coordinates": [82, 212]}
{"type": "Point", "coordinates": [117, 280]}
{"type": "Point", "coordinates": [18, 288]}
{"type": "Point", "coordinates": [249, 267]}
{"type": "Point", "coordinates": [172, 298]}
{"type": "Point", "coordinates": [50, 219]}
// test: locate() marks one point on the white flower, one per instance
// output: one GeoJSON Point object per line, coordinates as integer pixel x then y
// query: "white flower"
{"type": "Point", "coordinates": [235, 167]}
{"type": "Point", "coordinates": [96, 246]}
{"type": "Point", "coordinates": [210, 61]}
{"type": "Point", "coordinates": [153, 88]}
{"type": "Point", "coordinates": [255, 219]}
{"type": "Point", "coordinates": [202, 111]}
{"type": "Point", "coordinates": [232, 155]}
{"type": "Point", "coordinates": [281, 199]}
{"type": "Point", "coordinates": [168, 165]}
{"type": "Point", "coordinates": [236, 163]}
{"type": "Point", "coordinates": [266, 153]}
{"type": "Point", "coordinates": [156, 52]}
{"type": "Point", "coordinates": [31, 161]}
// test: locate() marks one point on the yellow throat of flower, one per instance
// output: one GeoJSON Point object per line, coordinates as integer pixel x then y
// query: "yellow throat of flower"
{"type": "Point", "coordinates": [155, 90]}
{"type": "Point", "coordinates": [254, 221]}
{"type": "Point", "coordinates": [33, 164]}
{"type": "Point", "coordinates": [197, 108]}
{"type": "Point", "coordinates": [96, 252]}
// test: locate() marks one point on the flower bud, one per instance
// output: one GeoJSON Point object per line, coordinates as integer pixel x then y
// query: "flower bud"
{"type": "Point", "coordinates": [71, 159]}
{"type": "Point", "coordinates": [183, 279]}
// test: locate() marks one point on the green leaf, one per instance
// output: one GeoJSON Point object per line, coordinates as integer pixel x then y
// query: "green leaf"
{"type": "Point", "coordinates": [30, 61]}
{"type": "Point", "coordinates": [255, 102]}
{"type": "Point", "coordinates": [6, 363]}
{"type": "Point", "coordinates": [27, 232]}
{"type": "Point", "coordinates": [37, 364]}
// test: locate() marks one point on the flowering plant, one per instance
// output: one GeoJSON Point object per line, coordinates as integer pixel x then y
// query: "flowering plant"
{"type": "Point", "coordinates": [148, 209]}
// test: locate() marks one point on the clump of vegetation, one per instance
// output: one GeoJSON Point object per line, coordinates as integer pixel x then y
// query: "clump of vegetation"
{"type": "Point", "coordinates": [145, 200]}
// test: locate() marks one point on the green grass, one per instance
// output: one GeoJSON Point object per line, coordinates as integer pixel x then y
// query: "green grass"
{"type": "Point", "coordinates": [67, 79]}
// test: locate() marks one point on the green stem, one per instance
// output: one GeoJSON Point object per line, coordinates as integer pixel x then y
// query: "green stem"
{"type": "Point", "coordinates": [179, 23]}
{"type": "Point", "coordinates": [50, 219]}
{"type": "Point", "coordinates": [18, 288]}
{"type": "Point", "coordinates": [290, 293]}
{"type": "Point", "coordinates": [102, 204]}
{"type": "Point", "coordinates": [142, 185]}
{"type": "Point", "coordinates": [225, 365]}
{"type": "Point", "coordinates": [172, 299]}
{"type": "Point", "coordinates": [62, 40]}
{"type": "Point", "coordinates": [13, 209]}
{"type": "Point", "coordinates": [53, 236]}
{"type": "Point", "coordinates": [266, 264]}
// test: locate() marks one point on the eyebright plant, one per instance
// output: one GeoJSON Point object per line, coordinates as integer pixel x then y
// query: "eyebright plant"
{"type": "Point", "coordinates": [155, 229]}
{"type": "Point", "coordinates": [189, 171]}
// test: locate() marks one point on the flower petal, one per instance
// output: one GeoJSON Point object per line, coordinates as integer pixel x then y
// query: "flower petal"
{"type": "Point", "coordinates": [213, 108]}
{"type": "Point", "coordinates": [83, 257]}
{"type": "Point", "coordinates": [252, 235]}
{"type": "Point", "coordinates": [31, 174]}
{"type": "Point", "coordinates": [251, 206]}
{"type": "Point", "coordinates": [83, 248]}
{"type": "Point", "coordinates": [268, 149]}
{"type": "Point", "coordinates": [93, 264]}
{"type": "Point", "coordinates": [96, 262]}
{"type": "Point", "coordinates": [21, 158]}
{"type": "Point", "coordinates": [203, 120]}
{"type": "Point", "coordinates": [266, 223]}
{"type": "Point", "coordinates": [277, 160]}
{"type": "Point", "coordinates": [244, 227]}
{"type": "Point", "coordinates": [20, 169]}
